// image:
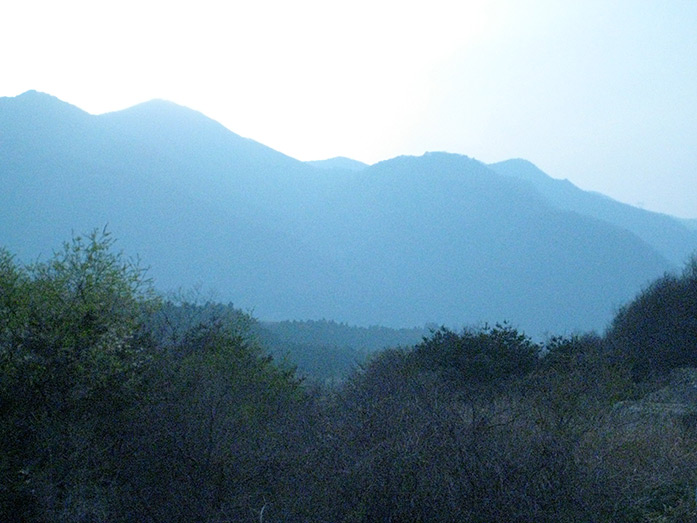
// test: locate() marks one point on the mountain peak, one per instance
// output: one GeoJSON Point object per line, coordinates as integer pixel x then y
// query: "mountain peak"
{"type": "Point", "coordinates": [339, 162]}
{"type": "Point", "coordinates": [34, 95]}
{"type": "Point", "coordinates": [439, 237]}
{"type": "Point", "coordinates": [433, 161]}
{"type": "Point", "coordinates": [39, 102]}
{"type": "Point", "coordinates": [163, 111]}
{"type": "Point", "coordinates": [188, 130]}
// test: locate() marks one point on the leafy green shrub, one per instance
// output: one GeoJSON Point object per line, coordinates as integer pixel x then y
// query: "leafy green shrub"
{"type": "Point", "coordinates": [71, 353]}
{"type": "Point", "coordinates": [116, 408]}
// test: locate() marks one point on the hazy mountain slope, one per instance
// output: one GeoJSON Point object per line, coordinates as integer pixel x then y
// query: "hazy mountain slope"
{"type": "Point", "coordinates": [331, 333]}
{"type": "Point", "coordinates": [162, 196]}
{"type": "Point", "coordinates": [665, 233]}
{"type": "Point", "coordinates": [440, 238]}
{"type": "Point", "coordinates": [328, 351]}
{"type": "Point", "coordinates": [689, 223]}
{"type": "Point", "coordinates": [443, 238]}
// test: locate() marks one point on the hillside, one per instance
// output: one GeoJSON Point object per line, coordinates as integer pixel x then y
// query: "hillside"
{"type": "Point", "coordinates": [690, 223]}
{"type": "Point", "coordinates": [667, 234]}
{"type": "Point", "coordinates": [439, 238]}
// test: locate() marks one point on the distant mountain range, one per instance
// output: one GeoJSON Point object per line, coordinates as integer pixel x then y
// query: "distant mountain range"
{"type": "Point", "coordinates": [439, 238]}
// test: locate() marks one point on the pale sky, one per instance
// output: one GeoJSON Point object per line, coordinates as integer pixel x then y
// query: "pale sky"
{"type": "Point", "coordinates": [602, 92]}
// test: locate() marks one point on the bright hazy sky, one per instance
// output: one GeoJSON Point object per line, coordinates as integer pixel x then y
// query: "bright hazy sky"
{"type": "Point", "coordinates": [602, 92]}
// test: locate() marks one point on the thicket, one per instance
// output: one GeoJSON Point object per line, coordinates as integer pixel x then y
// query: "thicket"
{"type": "Point", "coordinates": [118, 405]}
{"type": "Point", "coordinates": [657, 331]}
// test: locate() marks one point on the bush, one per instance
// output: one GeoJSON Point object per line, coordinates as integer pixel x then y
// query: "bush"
{"type": "Point", "coordinates": [71, 353]}
{"type": "Point", "coordinates": [477, 358]}
{"type": "Point", "coordinates": [423, 437]}
{"type": "Point", "coordinates": [657, 331]}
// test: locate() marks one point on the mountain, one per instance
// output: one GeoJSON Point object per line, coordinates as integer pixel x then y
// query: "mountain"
{"type": "Point", "coordinates": [173, 186]}
{"type": "Point", "coordinates": [689, 223]}
{"type": "Point", "coordinates": [668, 235]}
{"type": "Point", "coordinates": [339, 163]}
{"type": "Point", "coordinates": [439, 238]}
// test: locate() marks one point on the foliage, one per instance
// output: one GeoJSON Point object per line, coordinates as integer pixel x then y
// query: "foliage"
{"type": "Point", "coordinates": [657, 331]}
{"type": "Point", "coordinates": [118, 406]}
{"type": "Point", "coordinates": [577, 372]}
{"type": "Point", "coordinates": [70, 354]}
{"type": "Point", "coordinates": [327, 352]}
{"type": "Point", "coordinates": [481, 357]}
{"type": "Point", "coordinates": [215, 435]}
{"type": "Point", "coordinates": [414, 448]}
{"type": "Point", "coordinates": [323, 332]}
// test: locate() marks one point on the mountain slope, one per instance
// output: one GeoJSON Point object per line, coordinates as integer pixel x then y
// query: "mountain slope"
{"type": "Point", "coordinates": [187, 209]}
{"type": "Point", "coordinates": [689, 223]}
{"type": "Point", "coordinates": [439, 238]}
{"type": "Point", "coordinates": [445, 239]}
{"type": "Point", "coordinates": [666, 234]}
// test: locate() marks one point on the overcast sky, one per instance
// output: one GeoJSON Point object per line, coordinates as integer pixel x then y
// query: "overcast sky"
{"type": "Point", "coordinates": [603, 93]}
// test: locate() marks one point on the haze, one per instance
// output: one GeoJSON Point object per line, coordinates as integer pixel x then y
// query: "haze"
{"type": "Point", "coordinates": [601, 93]}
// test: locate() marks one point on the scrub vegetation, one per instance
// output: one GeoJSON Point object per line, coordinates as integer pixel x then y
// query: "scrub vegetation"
{"type": "Point", "coordinates": [117, 404]}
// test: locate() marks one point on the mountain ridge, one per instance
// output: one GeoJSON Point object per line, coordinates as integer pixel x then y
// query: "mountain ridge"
{"type": "Point", "coordinates": [437, 238]}
{"type": "Point", "coordinates": [338, 162]}
{"type": "Point", "coordinates": [666, 233]}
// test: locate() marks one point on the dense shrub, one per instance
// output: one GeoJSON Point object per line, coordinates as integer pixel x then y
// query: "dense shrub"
{"type": "Point", "coordinates": [477, 357]}
{"type": "Point", "coordinates": [657, 331]}
{"type": "Point", "coordinates": [114, 408]}
{"type": "Point", "coordinates": [217, 436]}
{"type": "Point", "coordinates": [71, 355]}
{"type": "Point", "coordinates": [414, 447]}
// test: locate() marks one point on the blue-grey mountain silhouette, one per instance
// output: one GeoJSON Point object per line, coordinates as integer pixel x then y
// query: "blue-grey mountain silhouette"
{"type": "Point", "coordinates": [440, 238]}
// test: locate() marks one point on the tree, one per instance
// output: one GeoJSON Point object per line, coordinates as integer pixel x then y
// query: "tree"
{"type": "Point", "coordinates": [216, 435]}
{"type": "Point", "coordinates": [656, 332]}
{"type": "Point", "coordinates": [70, 354]}
{"type": "Point", "coordinates": [478, 358]}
